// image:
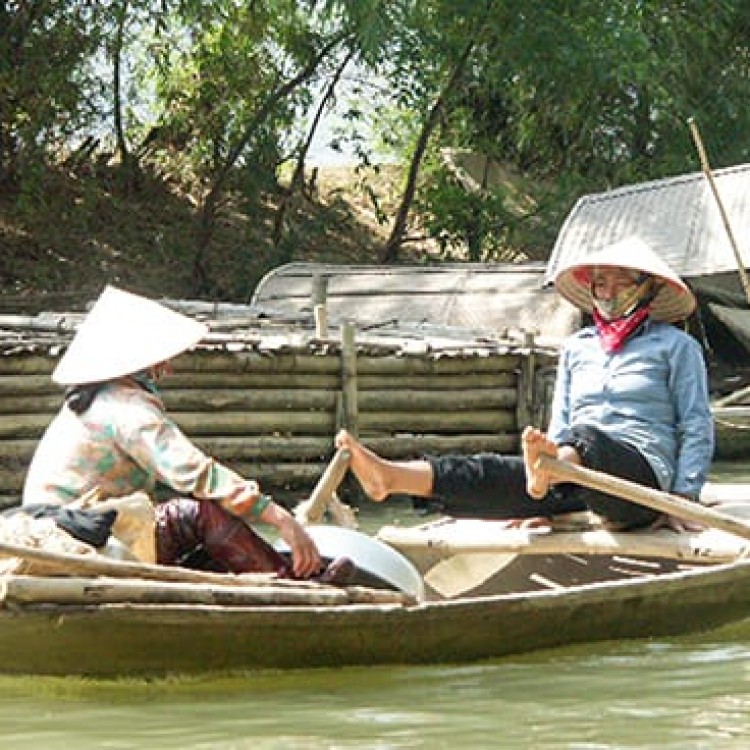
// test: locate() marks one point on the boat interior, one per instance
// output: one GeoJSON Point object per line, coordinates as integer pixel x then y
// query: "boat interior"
{"type": "Point", "coordinates": [463, 557]}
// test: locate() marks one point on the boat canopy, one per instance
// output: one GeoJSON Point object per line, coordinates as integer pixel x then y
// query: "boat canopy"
{"type": "Point", "coordinates": [678, 216]}
{"type": "Point", "coordinates": [458, 299]}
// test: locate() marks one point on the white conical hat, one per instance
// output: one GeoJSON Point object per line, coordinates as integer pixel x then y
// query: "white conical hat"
{"type": "Point", "coordinates": [674, 301]}
{"type": "Point", "coordinates": [122, 334]}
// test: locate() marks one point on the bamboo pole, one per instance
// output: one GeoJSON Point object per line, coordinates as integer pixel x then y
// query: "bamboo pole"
{"type": "Point", "coordinates": [494, 539]}
{"type": "Point", "coordinates": [252, 422]}
{"type": "Point", "coordinates": [350, 404]}
{"type": "Point", "coordinates": [258, 399]}
{"type": "Point", "coordinates": [254, 361]}
{"type": "Point", "coordinates": [720, 205]}
{"type": "Point", "coordinates": [467, 399]}
{"type": "Point", "coordinates": [291, 380]}
{"type": "Point", "coordinates": [415, 365]}
{"type": "Point", "coordinates": [525, 390]}
{"type": "Point", "coordinates": [318, 303]}
{"type": "Point", "coordinates": [281, 474]}
{"type": "Point", "coordinates": [28, 385]}
{"type": "Point", "coordinates": [92, 591]}
{"type": "Point", "coordinates": [458, 381]}
{"type": "Point", "coordinates": [469, 379]}
{"type": "Point", "coordinates": [410, 445]}
{"type": "Point", "coordinates": [27, 364]}
{"type": "Point", "coordinates": [320, 314]}
{"type": "Point", "coordinates": [38, 404]}
{"type": "Point", "coordinates": [390, 364]}
{"type": "Point", "coordinates": [98, 565]}
{"type": "Point", "coordinates": [269, 448]}
{"type": "Point", "coordinates": [440, 422]}
{"type": "Point", "coordinates": [23, 425]}
{"type": "Point", "coordinates": [403, 399]}
{"type": "Point", "coordinates": [79, 590]}
{"type": "Point", "coordinates": [21, 450]}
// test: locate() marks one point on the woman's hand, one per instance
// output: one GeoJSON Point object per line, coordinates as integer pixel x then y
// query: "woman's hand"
{"type": "Point", "coordinates": [305, 556]}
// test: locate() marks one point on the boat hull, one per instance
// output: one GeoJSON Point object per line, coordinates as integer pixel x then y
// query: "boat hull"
{"type": "Point", "coordinates": [153, 640]}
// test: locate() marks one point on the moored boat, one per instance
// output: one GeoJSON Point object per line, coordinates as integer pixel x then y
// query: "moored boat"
{"type": "Point", "coordinates": [513, 591]}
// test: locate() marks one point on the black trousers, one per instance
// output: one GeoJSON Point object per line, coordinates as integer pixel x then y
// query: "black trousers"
{"type": "Point", "coordinates": [489, 485]}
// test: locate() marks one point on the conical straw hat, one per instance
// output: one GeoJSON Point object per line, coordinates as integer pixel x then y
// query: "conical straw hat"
{"type": "Point", "coordinates": [673, 303]}
{"type": "Point", "coordinates": [122, 334]}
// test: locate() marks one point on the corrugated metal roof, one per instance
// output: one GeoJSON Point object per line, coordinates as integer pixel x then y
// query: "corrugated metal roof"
{"type": "Point", "coordinates": [482, 299]}
{"type": "Point", "coordinates": [678, 216]}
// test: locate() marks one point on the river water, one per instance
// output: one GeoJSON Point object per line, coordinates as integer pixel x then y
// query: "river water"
{"type": "Point", "coordinates": [676, 694]}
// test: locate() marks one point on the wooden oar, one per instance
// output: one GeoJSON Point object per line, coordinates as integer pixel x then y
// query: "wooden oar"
{"type": "Point", "coordinates": [664, 502]}
{"type": "Point", "coordinates": [324, 494]}
{"type": "Point", "coordinates": [459, 573]}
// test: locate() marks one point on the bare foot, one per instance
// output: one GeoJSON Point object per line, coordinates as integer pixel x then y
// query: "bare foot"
{"type": "Point", "coordinates": [535, 443]}
{"type": "Point", "coordinates": [369, 468]}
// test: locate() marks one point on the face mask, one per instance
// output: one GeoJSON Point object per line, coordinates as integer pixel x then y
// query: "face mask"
{"type": "Point", "coordinates": [627, 300]}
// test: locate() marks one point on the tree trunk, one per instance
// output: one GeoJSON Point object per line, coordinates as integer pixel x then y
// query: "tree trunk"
{"type": "Point", "coordinates": [298, 178]}
{"type": "Point", "coordinates": [391, 249]}
{"type": "Point", "coordinates": [207, 219]}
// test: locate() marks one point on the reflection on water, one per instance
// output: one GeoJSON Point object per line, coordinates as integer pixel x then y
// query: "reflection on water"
{"type": "Point", "coordinates": [680, 694]}
{"type": "Point", "coordinates": [674, 695]}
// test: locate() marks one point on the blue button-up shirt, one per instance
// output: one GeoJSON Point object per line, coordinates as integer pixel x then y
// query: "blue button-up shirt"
{"type": "Point", "coordinates": [652, 394]}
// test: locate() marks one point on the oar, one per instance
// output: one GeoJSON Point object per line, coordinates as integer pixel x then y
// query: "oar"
{"type": "Point", "coordinates": [366, 553]}
{"type": "Point", "coordinates": [324, 494]}
{"type": "Point", "coordinates": [664, 502]}
{"type": "Point", "coordinates": [460, 573]}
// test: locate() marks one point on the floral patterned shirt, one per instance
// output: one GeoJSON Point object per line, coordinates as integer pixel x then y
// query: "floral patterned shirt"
{"type": "Point", "coordinates": [124, 442]}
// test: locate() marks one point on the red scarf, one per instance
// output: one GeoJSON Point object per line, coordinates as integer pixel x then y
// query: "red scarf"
{"type": "Point", "coordinates": [614, 333]}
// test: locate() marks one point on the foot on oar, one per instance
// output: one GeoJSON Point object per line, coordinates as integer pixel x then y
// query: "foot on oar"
{"type": "Point", "coordinates": [369, 468]}
{"type": "Point", "coordinates": [535, 444]}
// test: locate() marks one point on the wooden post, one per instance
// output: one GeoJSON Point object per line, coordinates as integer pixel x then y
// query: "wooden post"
{"type": "Point", "coordinates": [319, 304]}
{"type": "Point", "coordinates": [320, 313]}
{"type": "Point", "coordinates": [525, 407]}
{"type": "Point", "coordinates": [349, 378]}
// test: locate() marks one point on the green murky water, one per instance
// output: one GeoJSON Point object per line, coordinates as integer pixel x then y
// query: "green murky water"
{"type": "Point", "coordinates": [680, 694]}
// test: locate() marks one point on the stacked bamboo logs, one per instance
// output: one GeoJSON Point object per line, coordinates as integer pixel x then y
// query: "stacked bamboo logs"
{"type": "Point", "coordinates": [268, 400]}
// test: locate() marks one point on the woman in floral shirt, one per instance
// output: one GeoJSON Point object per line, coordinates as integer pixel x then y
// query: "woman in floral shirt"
{"type": "Point", "coordinates": [113, 436]}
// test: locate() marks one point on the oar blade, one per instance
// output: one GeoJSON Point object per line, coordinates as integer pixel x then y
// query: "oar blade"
{"type": "Point", "coordinates": [458, 574]}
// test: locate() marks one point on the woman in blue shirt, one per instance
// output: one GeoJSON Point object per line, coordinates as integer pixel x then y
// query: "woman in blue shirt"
{"type": "Point", "coordinates": [631, 399]}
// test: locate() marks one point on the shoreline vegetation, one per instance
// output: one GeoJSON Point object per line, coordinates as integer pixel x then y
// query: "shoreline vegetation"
{"type": "Point", "coordinates": [61, 246]}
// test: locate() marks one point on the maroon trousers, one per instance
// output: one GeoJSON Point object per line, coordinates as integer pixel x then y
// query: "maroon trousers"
{"type": "Point", "coordinates": [200, 534]}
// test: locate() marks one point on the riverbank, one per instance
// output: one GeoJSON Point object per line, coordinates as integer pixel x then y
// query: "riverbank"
{"type": "Point", "coordinates": [61, 245]}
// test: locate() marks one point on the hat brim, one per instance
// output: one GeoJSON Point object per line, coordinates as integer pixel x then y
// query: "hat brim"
{"type": "Point", "coordinates": [123, 334]}
{"type": "Point", "coordinates": [674, 301]}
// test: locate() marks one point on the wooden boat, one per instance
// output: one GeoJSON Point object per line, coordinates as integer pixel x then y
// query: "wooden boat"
{"type": "Point", "coordinates": [524, 590]}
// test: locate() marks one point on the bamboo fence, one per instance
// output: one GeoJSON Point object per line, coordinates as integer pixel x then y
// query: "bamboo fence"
{"type": "Point", "coordinates": [268, 398]}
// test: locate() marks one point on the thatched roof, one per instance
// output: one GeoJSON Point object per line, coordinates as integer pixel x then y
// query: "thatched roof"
{"type": "Point", "coordinates": [678, 216]}
{"type": "Point", "coordinates": [470, 298]}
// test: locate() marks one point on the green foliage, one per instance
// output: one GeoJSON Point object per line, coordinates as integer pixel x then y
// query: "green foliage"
{"type": "Point", "coordinates": [44, 83]}
{"type": "Point", "coordinates": [583, 97]}
{"type": "Point", "coordinates": [569, 97]}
